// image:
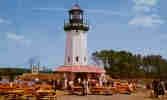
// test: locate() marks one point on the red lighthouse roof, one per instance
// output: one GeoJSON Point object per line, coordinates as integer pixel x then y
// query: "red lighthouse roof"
{"type": "Point", "coordinates": [76, 7]}
{"type": "Point", "coordinates": [81, 69]}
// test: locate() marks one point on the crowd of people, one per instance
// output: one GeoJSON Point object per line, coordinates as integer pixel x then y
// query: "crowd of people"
{"type": "Point", "coordinates": [86, 85]}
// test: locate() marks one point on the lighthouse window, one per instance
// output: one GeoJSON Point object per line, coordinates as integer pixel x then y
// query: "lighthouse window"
{"type": "Point", "coordinates": [68, 59]}
{"type": "Point", "coordinates": [77, 58]}
{"type": "Point", "coordinates": [85, 59]}
{"type": "Point", "coordinates": [76, 15]}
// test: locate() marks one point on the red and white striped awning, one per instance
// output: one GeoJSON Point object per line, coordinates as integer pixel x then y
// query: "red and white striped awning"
{"type": "Point", "coordinates": [81, 69]}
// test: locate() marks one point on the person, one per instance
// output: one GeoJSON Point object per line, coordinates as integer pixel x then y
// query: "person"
{"type": "Point", "coordinates": [165, 85]}
{"type": "Point", "coordinates": [155, 87]}
{"type": "Point", "coordinates": [70, 85]}
{"type": "Point", "coordinates": [134, 85]}
{"type": "Point", "coordinates": [112, 83]}
{"type": "Point", "coordinates": [101, 82]}
{"type": "Point", "coordinates": [11, 84]}
{"type": "Point", "coordinates": [87, 87]}
{"type": "Point", "coordinates": [83, 88]}
{"type": "Point", "coordinates": [130, 85]}
{"type": "Point", "coordinates": [58, 84]}
{"type": "Point", "coordinates": [79, 80]}
{"type": "Point", "coordinates": [65, 83]}
{"type": "Point", "coordinates": [161, 89]}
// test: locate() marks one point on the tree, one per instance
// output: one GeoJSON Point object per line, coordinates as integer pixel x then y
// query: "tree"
{"type": "Point", "coordinates": [126, 64]}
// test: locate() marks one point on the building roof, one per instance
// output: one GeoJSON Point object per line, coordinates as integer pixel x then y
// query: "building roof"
{"type": "Point", "coordinates": [76, 7]}
{"type": "Point", "coordinates": [78, 68]}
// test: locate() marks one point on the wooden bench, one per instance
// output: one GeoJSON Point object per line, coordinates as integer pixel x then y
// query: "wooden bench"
{"type": "Point", "coordinates": [123, 89]}
{"type": "Point", "coordinates": [76, 90]}
{"type": "Point", "coordinates": [102, 90]}
{"type": "Point", "coordinates": [47, 98]}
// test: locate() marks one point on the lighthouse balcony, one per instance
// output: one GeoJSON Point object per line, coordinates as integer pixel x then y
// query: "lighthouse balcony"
{"type": "Point", "coordinates": [76, 26]}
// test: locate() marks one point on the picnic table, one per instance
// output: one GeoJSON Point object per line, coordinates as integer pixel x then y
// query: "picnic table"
{"type": "Point", "coordinates": [46, 95]}
{"type": "Point", "coordinates": [14, 94]}
{"type": "Point", "coordinates": [15, 91]}
{"type": "Point", "coordinates": [45, 91]}
{"type": "Point", "coordinates": [102, 90]}
{"type": "Point", "coordinates": [123, 89]}
{"type": "Point", "coordinates": [76, 90]}
{"type": "Point", "coordinates": [4, 90]}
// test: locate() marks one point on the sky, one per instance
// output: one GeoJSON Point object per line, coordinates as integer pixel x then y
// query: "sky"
{"type": "Point", "coordinates": [31, 29]}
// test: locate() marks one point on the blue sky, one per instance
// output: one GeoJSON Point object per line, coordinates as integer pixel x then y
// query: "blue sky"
{"type": "Point", "coordinates": [34, 28]}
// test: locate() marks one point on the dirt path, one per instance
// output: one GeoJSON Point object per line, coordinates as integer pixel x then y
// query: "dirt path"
{"type": "Point", "coordinates": [141, 94]}
{"type": "Point", "coordinates": [101, 97]}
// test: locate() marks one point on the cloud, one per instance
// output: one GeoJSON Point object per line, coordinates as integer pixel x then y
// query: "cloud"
{"type": "Point", "coordinates": [19, 38]}
{"type": "Point", "coordinates": [4, 21]}
{"type": "Point", "coordinates": [146, 21]}
{"type": "Point", "coordinates": [146, 2]}
{"type": "Point", "coordinates": [162, 38]}
{"type": "Point", "coordinates": [13, 36]}
{"type": "Point", "coordinates": [144, 5]}
{"type": "Point", "coordinates": [146, 14]}
{"type": "Point", "coordinates": [142, 8]}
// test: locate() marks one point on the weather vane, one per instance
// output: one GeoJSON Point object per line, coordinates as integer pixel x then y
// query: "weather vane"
{"type": "Point", "coordinates": [76, 1]}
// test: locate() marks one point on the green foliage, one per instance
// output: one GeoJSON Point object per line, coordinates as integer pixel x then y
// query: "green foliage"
{"type": "Point", "coordinates": [12, 72]}
{"type": "Point", "coordinates": [128, 65]}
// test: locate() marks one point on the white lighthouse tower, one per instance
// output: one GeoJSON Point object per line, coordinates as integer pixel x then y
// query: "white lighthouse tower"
{"type": "Point", "coordinates": [76, 52]}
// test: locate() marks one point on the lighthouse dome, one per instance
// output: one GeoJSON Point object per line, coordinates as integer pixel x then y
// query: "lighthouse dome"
{"type": "Point", "coordinates": [76, 7]}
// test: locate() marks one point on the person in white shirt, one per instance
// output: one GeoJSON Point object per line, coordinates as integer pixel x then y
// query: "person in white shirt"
{"type": "Point", "coordinates": [79, 80]}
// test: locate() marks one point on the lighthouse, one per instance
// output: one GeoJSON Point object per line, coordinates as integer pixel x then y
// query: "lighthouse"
{"type": "Point", "coordinates": [76, 52]}
{"type": "Point", "coordinates": [76, 28]}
